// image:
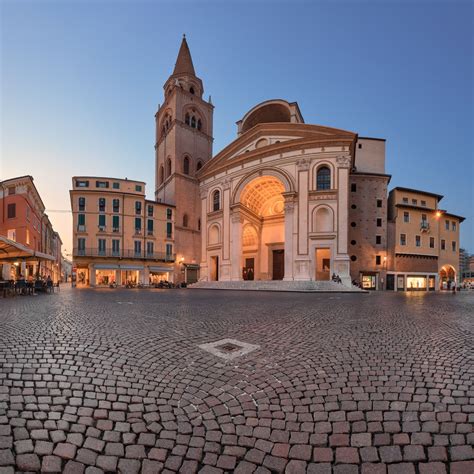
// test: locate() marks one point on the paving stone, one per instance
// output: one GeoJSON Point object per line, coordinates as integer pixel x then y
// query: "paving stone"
{"type": "Point", "coordinates": [432, 468]}
{"type": "Point", "coordinates": [51, 464]}
{"type": "Point", "coordinates": [73, 467]}
{"type": "Point", "coordinates": [28, 462]}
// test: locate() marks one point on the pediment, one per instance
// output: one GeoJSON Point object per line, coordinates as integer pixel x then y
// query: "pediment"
{"type": "Point", "coordinates": [274, 138]}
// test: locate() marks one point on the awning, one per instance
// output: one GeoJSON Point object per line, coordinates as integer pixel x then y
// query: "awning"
{"type": "Point", "coordinates": [160, 269]}
{"type": "Point", "coordinates": [131, 267]}
{"type": "Point", "coordinates": [44, 256]}
{"type": "Point", "coordinates": [11, 250]}
{"type": "Point", "coordinates": [106, 266]}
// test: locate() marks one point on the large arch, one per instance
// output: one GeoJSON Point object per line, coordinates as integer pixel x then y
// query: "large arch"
{"type": "Point", "coordinates": [447, 276]}
{"type": "Point", "coordinates": [281, 175]}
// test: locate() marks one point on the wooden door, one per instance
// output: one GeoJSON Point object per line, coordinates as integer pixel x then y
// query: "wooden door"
{"type": "Point", "coordinates": [278, 264]}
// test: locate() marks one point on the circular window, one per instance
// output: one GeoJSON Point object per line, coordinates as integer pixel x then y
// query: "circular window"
{"type": "Point", "coordinates": [353, 206]}
{"type": "Point", "coordinates": [353, 258]}
{"type": "Point", "coordinates": [353, 242]}
{"type": "Point", "coordinates": [353, 224]}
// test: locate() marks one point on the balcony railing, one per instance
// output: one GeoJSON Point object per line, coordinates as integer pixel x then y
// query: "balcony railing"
{"type": "Point", "coordinates": [424, 226]}
{"type": "Point", "coordinates": [127, 253]}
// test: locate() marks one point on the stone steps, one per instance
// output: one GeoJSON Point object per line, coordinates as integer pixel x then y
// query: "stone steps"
{"type": "Point", "coordinates": [270, 285]}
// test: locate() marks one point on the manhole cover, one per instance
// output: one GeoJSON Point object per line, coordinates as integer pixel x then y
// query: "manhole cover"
{"type": "Point", "coordinates": [229, 349]}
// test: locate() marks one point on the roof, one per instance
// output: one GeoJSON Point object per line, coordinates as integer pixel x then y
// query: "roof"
{"type": "Point", "coordinates": [449, 214]}
{"type": "Point", "coordinates": [109, 177]}
{"type": "Point", "coordinates": [184, 62]}
{"type": "Point", "coordinates": [411, 190]}
{"type": "Point", "coordinates": [29, 177]}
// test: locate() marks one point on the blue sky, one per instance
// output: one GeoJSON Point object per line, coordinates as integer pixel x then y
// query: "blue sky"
{"type": "Point", "coordinates": [81, 81]}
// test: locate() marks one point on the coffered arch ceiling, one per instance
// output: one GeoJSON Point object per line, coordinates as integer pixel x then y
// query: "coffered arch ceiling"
{"type": "Point", "coordinates": [263, 196]}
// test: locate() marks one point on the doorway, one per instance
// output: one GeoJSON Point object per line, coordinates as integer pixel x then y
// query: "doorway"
{"type": "Point", "coordinates": [323, 264]}
{"type": "Point", "coordinates": [278, 264]}
{"type": "Point", "coordinates": [249, 269]}
{"type": "Point", "coordinates": [215, 268]}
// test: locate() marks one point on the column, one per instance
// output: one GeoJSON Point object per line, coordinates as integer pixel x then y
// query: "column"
{"type": "Point", "coordinates": [236, 246]}
{"type": "Point", "coordinates": [226, 222]}
{"type": "Point", "coordinates": [303, 172]}
{"type": "Point", "coordinates": [91, 275]}
{"type": "Point", "coordinates": [203, 266]}
{"type": "Point", "coordinates": [289, 218]}
{"type": "Point", "coordinates": [342, 264]}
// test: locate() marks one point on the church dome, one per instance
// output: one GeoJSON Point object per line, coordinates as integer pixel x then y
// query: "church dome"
{"type": "Point", "coordinates": [277, 110]}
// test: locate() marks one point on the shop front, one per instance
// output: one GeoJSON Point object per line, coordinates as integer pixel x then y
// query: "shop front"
{"type": "Point", "coordinates": [369, 281]}
{"type": "Point", "coordinates": [160, 274]}
{"type": "Point", "coordinates": [411, 282]}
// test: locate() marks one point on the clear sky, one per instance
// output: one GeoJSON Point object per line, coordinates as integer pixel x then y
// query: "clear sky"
{"type": "Point", "coordinates": [81, 81]}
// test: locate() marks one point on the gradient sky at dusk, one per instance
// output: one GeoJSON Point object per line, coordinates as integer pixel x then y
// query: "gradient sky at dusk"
{"type": "Point", "coordinates": [81, 81]}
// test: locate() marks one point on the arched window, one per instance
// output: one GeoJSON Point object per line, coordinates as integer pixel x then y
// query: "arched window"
{"type": "Point", "coordinates": [187, 119]}
{"type": "Point", "coordinates": [323, 178]}
{"type": "Point", "coordinates": [199, 165]}
{"type": "Point", "coordinates": [191, 90]}
{"type": "Point", "coordinates": [185, 220]}
{"type": "Point", "coordinates": [162, 174]}
{"type": "Point", "coordinates": [186, 165]}
{"type": "Point", "coordinates": [216, 200]}
{"type": "Point", "coordinates": [199, 124]}
{"type": "Point", "coordinates": [168, 167]}
{"type": "Point", "coordinates": [193, 121]}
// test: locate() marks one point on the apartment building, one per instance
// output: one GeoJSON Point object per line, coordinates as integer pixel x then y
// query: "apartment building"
{"type": "Point", "coordinates": [119, 235]}
{"type": "Point", "coordinates": [36, 247]}
{"type": "Point", "coordinates": [423, 242]}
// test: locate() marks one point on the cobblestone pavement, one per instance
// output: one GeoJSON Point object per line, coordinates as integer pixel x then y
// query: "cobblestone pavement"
{"type": "Point", "coordinates": [114, 380]}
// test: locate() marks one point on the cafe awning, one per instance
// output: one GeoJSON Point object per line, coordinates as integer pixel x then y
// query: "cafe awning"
{"type": "Point", "coordinates": [11, 250]}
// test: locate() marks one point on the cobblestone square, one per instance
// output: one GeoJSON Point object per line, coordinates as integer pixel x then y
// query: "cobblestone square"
{"type": "Point", "coordinates": [114, 380]}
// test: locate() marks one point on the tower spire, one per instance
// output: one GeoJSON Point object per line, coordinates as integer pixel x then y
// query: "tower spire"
{"type": "Point", "coordinates": [184, 62]}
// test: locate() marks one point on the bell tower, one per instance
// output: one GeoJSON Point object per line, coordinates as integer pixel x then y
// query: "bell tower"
{"type": "Point", "coordinates": [183, 145]}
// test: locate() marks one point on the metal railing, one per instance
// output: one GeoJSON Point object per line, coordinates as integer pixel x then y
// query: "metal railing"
{"type": "Point", "coordinates": [126, 253]}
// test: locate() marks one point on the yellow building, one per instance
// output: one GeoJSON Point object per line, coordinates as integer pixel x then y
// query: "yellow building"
{"type": "Point", "coordinates": [423, 242]}
{"type": "Point", "coordinates": [119, 235]}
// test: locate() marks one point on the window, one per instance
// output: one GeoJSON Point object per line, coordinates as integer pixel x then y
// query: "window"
{"type": "Point", "coordinates": [168, 167]}
{"type": "Point", "coordinates": [82, 203]}
{"type": "Point", "coordinates": [116, 185]}
{"type": "Point", "coordinates": [81, 221]}
{"type": "Point", "coordinates": [323, 178]}
{"type": "Point", "coordinates": [378, 239]}
{"type": "Point", "coordinates": [432, 242]}
{"type": "Point", "coordinates": [453, 246]}
{"type": "Point", "coordinates": [115, 223]}
{"type": "Point", "coordinates": [169, 250]}
{"type": "Point", "coordinates": [137, 248]}
{"type": "Point", "coordinates": [101, 246]}
{"type": "Point", "coordinates": [82, 184]}
{"type": "Point", "coordinates": [11, 235]}
{"type": "Point", "coordinates": [405, 200]}
{"type": "Point", "coordinates": [101, 184]}
{"type": "Point", "coordinates": [187, 119]}
{"type": "Point", "coordinates": [403, 239]}
{"type": "Point", "coordinates": [199, 165]}
{"type": "Point", "coordinates": [185, 220]}
{"type": "Point", "coordinates": [353, 242]}
{"type": "Point", "coordinates": [379, 202]}
{"type": "Point", "coordinates": [138, 225]}
{"type": "Point", "coordinates": [11, 190]}
{"type": "Point", "coordinates": [191, 90]}
{"type": "Point", "coordinates": [353, 258]}
{"type": "Point", "coordinates": [446, 224]}
{"type": "Point", "coordinates": [353, 206]}
{"type": "Point", "coordinates": [149, 227]}
{"type": "Point", "coordinates": [115, 247]}
{"type": "Point", "coordinates": [216, 200]}
{"type": "Point", "coordinates": [81, 245]}
{"type": "Point", "coordinates": [359, 145]}
{"type": "Point", "coordinates": [162, 174]}
{"type": "Point", "coordinates": [353, 187]}
{"type": "Point", "coordinates": [443, 244]}
{"type": "Point", "coordinates": [116, 205]}
{"type": "Point", "coordinates": [11, 211]}
{"type": "Point", "coordinates": [149, 248]}
{"type": "Point", "coordinates": [414, 202]}
{"type": "Point", "coordinates": [169, 230]}
{"type": "Point", "coordinates": [169, 213]}
{"type": "Point", "coordinates": [199, 124]}
{"type": "Point", "coordinates": [193, 121]}
{"type": "Point", "coordinates": [378, 260]}
{"type": "Point", "coordinates": [423, 203]}
{"type": "Point", "coordinates": [453, 225]}
{"type": "Point", "coordinates": [417, 241]}
{"type": "Point", "coordinates": [406, 217]}
{"type": "Point", "coordinates": [138, 188]}
{"type": "Point", "coordinates": [199, 224]}
{"type": "Point", "coordinates": [101, 204]}
{"type": "Point", "coordinates": [138, 207]}
{"type": "Point", "coordinates": [186, 165]}
{"type": "Point", "coordinates": [150, 210]}
{"type": "Point", "coordinates": [353, 224]}
{"type": "Point", "coordinates": [379, 222]}
{"type": "Point", "coordinates": [101, 221]}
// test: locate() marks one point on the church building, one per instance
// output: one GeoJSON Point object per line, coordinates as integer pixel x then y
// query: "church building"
{"type": "Point", "coordinates": [285, 200]}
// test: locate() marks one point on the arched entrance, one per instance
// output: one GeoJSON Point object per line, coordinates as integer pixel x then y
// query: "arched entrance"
{"type": "Point", "coordinates": [447, 276]}
{"type": "Point", "coordinates": [262, 208]}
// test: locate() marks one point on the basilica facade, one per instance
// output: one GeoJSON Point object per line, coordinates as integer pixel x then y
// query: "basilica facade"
{"type": "Point", "coordinates": [285, 200]}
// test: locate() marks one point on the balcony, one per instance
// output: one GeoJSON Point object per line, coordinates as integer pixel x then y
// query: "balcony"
{"type": "Point", "coordinates": [81, 228]}
{"type": "Point", "coordinates": [424, 226]}
{"type": "Point", "coordinates": [127, 253]}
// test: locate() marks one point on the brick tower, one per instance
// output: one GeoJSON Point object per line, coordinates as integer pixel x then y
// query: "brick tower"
{"type": "Point", "coordinates": [183, 145]}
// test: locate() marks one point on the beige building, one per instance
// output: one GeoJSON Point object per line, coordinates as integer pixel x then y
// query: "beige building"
{"type": "Point", "coordinates": [423, 242]}
{"type": "Point", "coordinates": [119, 235]}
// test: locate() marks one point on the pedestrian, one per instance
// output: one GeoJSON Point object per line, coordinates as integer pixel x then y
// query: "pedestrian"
{"type": "Point", "coordinates": [454, 287]}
